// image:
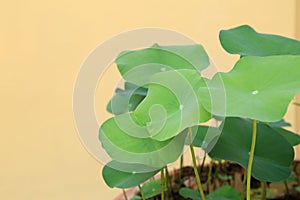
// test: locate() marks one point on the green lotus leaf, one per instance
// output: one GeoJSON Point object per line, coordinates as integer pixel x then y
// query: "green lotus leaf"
{"type": "Point", "coordinates": [189, 193]}
{"type": "Point", "coordinates": [273, 154]}
{"type": "Point", "coordinates": [292, 138]}
{"type": "Point", "coordinates": [152, 188]}
{"type": "Point", "coordinates": [257, 88]}
{"type": "Point", "coordinates": [245, 41]}
{"type": "Point", "coordinates": [195, 54]}
{"type": "Point", "coordinates": [123, 146]}
{"type": "Point", "coordinates": [136, 197]}
{"type": "Point", "coordinates": [225, 192]}
{"type": "Point", "coordinates": [172, 104]}
{"type": "Point", "coordinates": [127, 99]}
{"type": "Point", "coordinates": [124, 179]}
{"type": "Point", "coordinates": [139, 65]}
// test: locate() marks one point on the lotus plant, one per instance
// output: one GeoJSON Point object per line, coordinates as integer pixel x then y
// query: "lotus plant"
{"type": "Point", "coordinates": [167, 99]}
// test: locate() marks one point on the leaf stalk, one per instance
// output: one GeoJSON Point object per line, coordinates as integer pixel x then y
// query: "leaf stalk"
{"type": "Point", "coordinates": [200, 188]}
{"type": "Point", "coordinates": [250, 161]}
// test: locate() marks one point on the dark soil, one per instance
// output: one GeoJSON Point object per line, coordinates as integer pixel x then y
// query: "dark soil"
{"type": "Point", "coordinates": [226, 173]}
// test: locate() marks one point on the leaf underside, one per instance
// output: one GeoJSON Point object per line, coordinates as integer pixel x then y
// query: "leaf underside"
{"type": "Point", "coordinates": [273, 154]}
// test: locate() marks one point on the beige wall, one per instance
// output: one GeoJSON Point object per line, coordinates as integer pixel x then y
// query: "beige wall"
{"type": "Point", "coordinates": [42, 45]}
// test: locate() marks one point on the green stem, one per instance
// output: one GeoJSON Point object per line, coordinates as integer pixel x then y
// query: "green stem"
{"type": "Point", "coordinates": [180, 169]}
{"type": "Point", "coordinates": [250, 162]}
{"type": "Point", "coordinates": [142, 193]}
{"type": "Point", "coordinates": [264, 190]}
{"type": "Point", "coordinates": [203, 162]}
{"type": "Point", "coordinates": [162, 184]}
{"type": "Point", "coordinates": [287, 191]}
{"type": "Point", "coordinates": [214, 186]}
{"type": "Point", "coordinates": [125, 196]}
{"type": "Point", "coordinates": [169, 184]}
{"type": "Point", "coordinates": [209, 174]}
{"type": "Point", "coordinates": [195, 166]}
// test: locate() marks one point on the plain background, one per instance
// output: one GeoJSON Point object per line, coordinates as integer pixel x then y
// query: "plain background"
{"type": "Point", "coordinates": [42, 46]}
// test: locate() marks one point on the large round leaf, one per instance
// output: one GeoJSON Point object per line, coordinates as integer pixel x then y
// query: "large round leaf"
{"type": "Point", "coordinates": [126, 148]}
{"type": "Point", "coordinates": [245, 41]}
{"type": "Point", "coordinates": [124, 179]}
{"type": "Point", "coordinates": [273, 154]}
{"type": "Point", "coordinates": [257, 87]}
{"type": "Point", "coordinates": [172, 104]}
{"type": "Point", "coordinates": [139, 65]}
